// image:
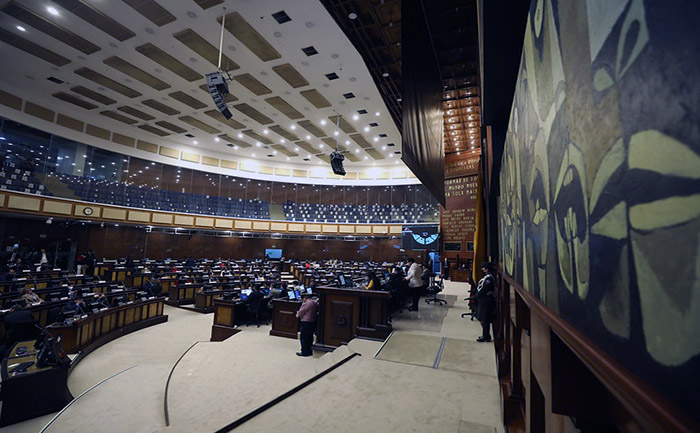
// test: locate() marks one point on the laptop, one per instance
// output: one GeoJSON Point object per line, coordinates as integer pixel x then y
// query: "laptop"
{"type": "Point", "coordinates": [291, 295]}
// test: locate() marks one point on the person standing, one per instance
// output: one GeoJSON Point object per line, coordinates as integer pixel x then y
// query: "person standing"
{"type": "Point", "coordinates": [486, 301]}
{"type": "Point", "coordinates": [413, 276]}
{"type": "Point", "coordinates": [307, 315]}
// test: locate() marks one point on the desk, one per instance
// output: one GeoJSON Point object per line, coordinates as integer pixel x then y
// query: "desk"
{"type": "Point", "coordinates": [225, 319]}
{"type": "Point", "coordinates": [348, 313]}
{"type": "Point", "coordinates": [37, 392]}
{"type": "Point", "coordinates": [87, 334]}
{"type": "Point", "coordinates": [182, 294]}
{"type": "Point", "coordinates": [284, 318]}
{"type": "Point", "coordinates": [460, 275]}
{"type": "Point", "coordinates": [204, 301]}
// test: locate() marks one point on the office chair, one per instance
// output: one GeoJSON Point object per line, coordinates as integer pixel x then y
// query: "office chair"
{"type": "Point", "coordinates": [258, 312]}
{"type": "Point", "coordinates": [434, 289]}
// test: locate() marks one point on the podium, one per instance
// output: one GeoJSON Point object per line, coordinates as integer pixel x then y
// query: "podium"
{"type": "Point", "coordinates": [348, 313]}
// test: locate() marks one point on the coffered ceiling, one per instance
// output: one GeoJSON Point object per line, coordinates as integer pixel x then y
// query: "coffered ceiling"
{"type": "Point", "coordinates": [137, 67]}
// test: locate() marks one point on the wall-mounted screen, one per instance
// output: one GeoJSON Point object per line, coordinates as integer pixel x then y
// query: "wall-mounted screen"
{"type": "Point", "coordinates": [273, 253]}
{"type": "Point", "coordinates": [420, 237]}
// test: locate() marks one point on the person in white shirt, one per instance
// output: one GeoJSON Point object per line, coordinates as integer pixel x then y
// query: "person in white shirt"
{"type": "Point", "coordinates": [414, 282]}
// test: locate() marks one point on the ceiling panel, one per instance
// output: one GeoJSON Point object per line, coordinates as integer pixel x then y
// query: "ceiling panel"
{"type": "Point", "coordinates": [307, 147]}
{"type": "Point", "coordinates": [206, 4]}
{"type": "Point", "coordinates": [96, 18]}
{"type": "Point", "coordinates": [345, 126]}
{"type": "Point", "coordinates": [152, 10]}
{"type": "Point", "coordinates": [284, 133]}
{"type": "Point", "coordinates": [239, 143]}
{"type": "Point", "coordinates": [165, 109]}
{"type": "Point", "coordinates": [102, 99]}
{"type": "Point", "coordinates": [290, 75]}
{"type": "Point", "coordinates": [136, 113]}
{"type": "Point", "coordinates": [257, 137]}
{"type": "Point", "coordinates": [154, 130]}
{"type": "Point", "coordinates": [74, 100]}
{"type": "Point", "coordinates": [216, 114]}
{"type": "Point", "coordinates": [312, 128]}
{"type": "Point", "coordinates": [374, 154]}
{"type": "Point", "coordinates": [107, 82]}
{"type": "Point", "coordinates": [199, 124]}
{"type": "Point", "coordinates": [253, 114]}
{"type": "Point", "coordinates": [252, 84]}
{"type": "Point", "coordinates": [169, 62]}
{"type": "Point", "coordinates": [283, 150]}
{"type": "Point", "coordinates": [284, 107]}
{"type": "Point", "coordinates": [119, 117]}
{"type": "Point", "coordinates": [52, 29]}
{"type": "Point", "coordinates": [171, 127]}
{"type": "Point", "coordinates": [127, 68]}
{"type": "Point", "coordinates": [244, 32]}
{"type": "Point", "coordinates": [360, 140]}
{"type": "Point", "coordinates": [188, 100]}
{"type": "Point", "coordinates": [32, 48]}
{"type": "Point", "coordinates": [200, 46]}
{"type": "Point", "coordinates": [315, 97]}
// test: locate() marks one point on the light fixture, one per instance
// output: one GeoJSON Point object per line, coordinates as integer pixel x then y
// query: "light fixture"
{"type": "Point", "coordinates": [287, 160]}
{"type": "Point", "coordinates": [355, 117]}
{"type": "Point", "coordinates": [335, 133]}
{"type": "Point", "coordinates": [383, 147]}
{"type": "Point", "coordinates": [308, 137]}
{"type": "Point", "coordinates": [323, 122]}
{"type": "Point", "coordinates": [274, 152]}
{"type": "Point", "coordinates": [253, 153]}
{"type": "Point", "coordinates": [321, 145]}
{"type": "Point", "coordinates": [293, 127]}
{"type": "Point", "coordinates": [282, 140]}
{"type": "Point", "coordinates": [240, 135]}
{"type": "Point", "coordinates": [365, 157]}
{"type": "Point", "coordinates": [377, 113]}
{"type": "Point", "coordinates": [376, 139]}
{"type": "Point", "coordinates": [217, 139]}
{"type": "Point", "coordinates": [366, 128]}
{"type": "Point", "coordinates": [296, 149]}
{"type": "Point", "coordinates": [236, 147]}
{"type": "Point", "coordinates": [21, 29]}
{"type": "Point", "coordinates": [265, 131]}
{"type": "Point", "coordinates": [195, 142]}
{"type": "Point", "coordinates": [357, 150]}
{"type": "Point", "coordinates": [258, 144]}
{"type": "Point", "coordinates": [347, 142]}
{"type": "Point", "coordinates": [52, 10]}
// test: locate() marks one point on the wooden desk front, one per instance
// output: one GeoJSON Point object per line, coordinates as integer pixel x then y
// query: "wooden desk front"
{"type": "Point", "coordinates": [102, 327]}
{"type": "Point", "coordinates": [348, 313]}
{"type": "Point", "coordinates": [284, 318]}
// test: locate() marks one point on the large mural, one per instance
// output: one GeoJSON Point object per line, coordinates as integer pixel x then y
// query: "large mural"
{"type": "Point", "coordinates": [600, 181]}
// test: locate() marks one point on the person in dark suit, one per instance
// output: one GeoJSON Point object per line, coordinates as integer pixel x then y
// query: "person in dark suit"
{"type": "Point", "coordinates": [75, 306]}
{"type": "Point", "coordinates": [152, 287]}
{"type": "Point", "coordinates": [486, 301]}
{"type": "Point", "coordinates": [20, 325]}
{"type": "Point", "coordinates": [10, 275]}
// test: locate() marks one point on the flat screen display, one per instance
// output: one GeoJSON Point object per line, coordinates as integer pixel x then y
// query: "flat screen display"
{"type": "Point", "coordinates": [291, 295]}
{"type": "Point", "coordinates": [297, 294]}
{"type": "Point", "coordinates": [273, 253]}
{"type": "Point", "coordinates": [420, 237]}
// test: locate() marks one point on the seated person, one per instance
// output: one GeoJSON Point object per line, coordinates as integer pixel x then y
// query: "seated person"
{"type": "Point", "coordinates": [152, 287]}
{"type": "Point", "coordinates": [75, 306]}
{"type": "Point", "coordinates": [120, 299]}
{"type": "Point", "coordinates": [29, 297]}
{"type": "Point", "coordinates": [374, 283]}
{"type": "Point", "coordinates": [19, 325]}
{"type": "Point", "coordinates": [254, 299]}
{"type": "Point", "coordinates": [10, 275]}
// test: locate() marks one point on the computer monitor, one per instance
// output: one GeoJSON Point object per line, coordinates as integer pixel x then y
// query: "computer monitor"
{"type": "Point", "coordinates": [291, 295]}
{"type": "Point", "coordinates": [246, 292]}
{"type": "Point", "coordinates": [297, 294]}
{"type": "Point", "coordinates": [309, 291]}
{"type": "Point", "coordinates": [386, 273]}
{"type": "Point", "coordinates": [341, 280]}
{"type": "Point", "coordinates": [244, 296]}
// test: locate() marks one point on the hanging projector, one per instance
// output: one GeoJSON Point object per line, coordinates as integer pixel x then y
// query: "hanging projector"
{"type": "Point", "coordinates": [337, 159]}
{"type": "Point", "coordinates": [218, 89]}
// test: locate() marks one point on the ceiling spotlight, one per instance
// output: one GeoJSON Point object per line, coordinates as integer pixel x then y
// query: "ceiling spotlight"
{"type": "Point", "coordinates": [293, 127]}
{"type": "Point", "coordinates": [265, 131]}
{"type": "Point", "coordinates": [365, 157]}
{"type": "Point", "coordinates": [308, 137]}
{"type": "Point", "coordinates": [308, 156]}
{"type": "Point", "coordinates": [355, 117]}
{"type": "Point", "coordinates": [195, 142]}
{"type": "Point", "coordinates": [357, 150]}
{"type": "Point", "coordinates": [217, 139]}
{"type": "Point", "coordinates": [52, 10]}
{"type": "Point", "coordinates": [376, 139]}
{"type": "Point", "coordinates": [323, 122]}
{"type": "Point", "coordinates": [236, 147]}
{"type": "Point", "coordinates": [385, 74]}
{"type": "Point", "coordinates": [352, 15]}
{"type": "Point", "coordinates": [282, 140]}
{"type": "Point", "coordinates": [258, 144]}
{"type": "Point", "coordinates": [377, 113]}
{"type": "Point", "coordinates": [391, 155]}
{"type": "Point", "coordinates": [274, 152]}
{"type": "Point", "coordinates": [21, 29]}
{"type": "Point", "coordinates": [240, 135]}
{"type": "Point", "coordinates": [287, 158]}
{"type": "Point", "coordinates": [335, 133]}
{"type": "Point", "coordinates": [366, 128]}
{"type": "Point", "coordinates": [296, 149]}
{"type": "Point", "coordinates": [347, 142]}
{"type": "Point", "coordinates": [253, 154]}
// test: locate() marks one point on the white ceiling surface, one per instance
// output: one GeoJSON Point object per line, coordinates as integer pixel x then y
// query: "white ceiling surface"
{"type": "Point", "coordinates": [25, 75]}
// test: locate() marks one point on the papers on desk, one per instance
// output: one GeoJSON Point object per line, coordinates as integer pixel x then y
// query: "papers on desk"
{"type": "Point", "coordinates": [101, 281]}
{"type": "Point", "coordinates": [105, 308]}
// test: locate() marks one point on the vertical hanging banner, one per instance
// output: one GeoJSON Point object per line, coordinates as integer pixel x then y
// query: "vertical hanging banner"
{"type": "Point", "coordinates": [458, 216]}
{"type": "Point", "coordinates": [422, 148]}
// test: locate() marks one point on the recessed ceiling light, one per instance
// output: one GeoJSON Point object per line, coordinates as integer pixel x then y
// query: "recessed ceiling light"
{"type": "Point", "coordinates": [376, 139]}
{"type": "Point", "coordinates": [282, 140]}
{"type": "Point", "coordinates": [265, 131]}
{"type": "Point", "coordinates": [240, 135]}
{"type": "Point", "coordinates": [296, 149]}
{"type": "Point", "coordinates": [321, 145]}
{"type": "Point", "coordinates": [357, 150]}
{"type": "Point", "coordinates": [293, 127]}
{"type": "Point", "coordinates": [274, 152]}
{"type": "Point", "coordinates": [21, 29]}
{"type": "Point", "coordinates": [253, 154]}
{"type": "Point", "coordinates": [366, 128]}
{"type": "Point", "coordinates": [236, 147]}
{"type": "Point", "coordinates": [52, 10]}
{"type": "Point", "coordinates": [377, 113]}
{"type": "Point", "coordinates": [308, 156]}
{"type": "Point", "coordinates": [355, 117]}
{"type": "Point", "coordinates": [365, 157]}
{"type": "Point", "coordinates": [335, 133]}
{"type": "Point", "coordinates": [195, 142]}
{"type": "Point", "coordinates": [323, 122]}
{"type": "Point", "coordinates": [383, 147]}
{"type": "Point", "coordinates": [217, 139]}
{"type": "Point", "coordinates": [287, 160]}
{"type": "Point", "coordinates": [308, 137]}
{"type": "Point", "coordinates": [352, 15]}
{"type": "Point", "coordinates": [347, 142]}
{"type": "Point", "coordinates": [385, 74]}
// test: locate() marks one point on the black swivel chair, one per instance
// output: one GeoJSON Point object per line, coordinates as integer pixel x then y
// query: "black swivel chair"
{"type": "Point", "coordinates": [258, 312]}
{"type": "Point", "coordinates": [434, 289]}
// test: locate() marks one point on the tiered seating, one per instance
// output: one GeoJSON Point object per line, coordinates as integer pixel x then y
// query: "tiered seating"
{"type": "Point", "coordinates": [18, 179]}
{"type": "Point", "coordinates": [118, 193]}
{"type": "Point", "coordinates": [373, 214]}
